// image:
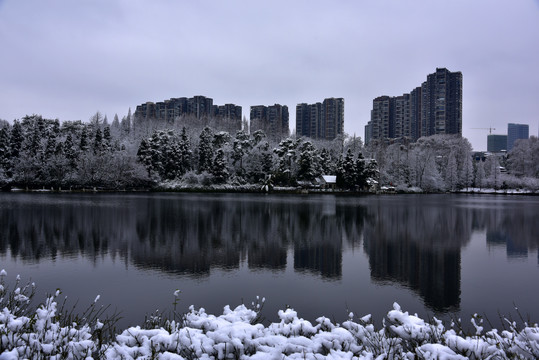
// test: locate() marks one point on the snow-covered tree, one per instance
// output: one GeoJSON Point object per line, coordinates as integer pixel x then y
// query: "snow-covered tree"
{"type": "Point", "coordinates": [479, 178]}
{"type": "Point", "coordinates": [346, 175]}
{"type": "Point", "coordinates": [523, 159]}
{"type": "Point", "coordinates": [240, 148]}
{"type": "Point", "coordinates": [5, 151]}
{"type": "Point", "coordinates": [185, 152]}
{"type": "Point", "coordinates": [205, 150]}
{"type": "Point", "coordinates": [219, 169]}
{"type": "Point", "coordinates": [307, 167]}
{"type": "Point", "coordinates": [286, 153]}
{"type": "Point", "coordinates": [492, 171]}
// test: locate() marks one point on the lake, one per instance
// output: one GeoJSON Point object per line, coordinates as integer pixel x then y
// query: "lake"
{"type": "Point", "coordinates": [436, 255]}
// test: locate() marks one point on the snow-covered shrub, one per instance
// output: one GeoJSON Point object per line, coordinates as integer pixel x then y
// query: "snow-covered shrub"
{"type": "Point", "coordinates": [236, 334]}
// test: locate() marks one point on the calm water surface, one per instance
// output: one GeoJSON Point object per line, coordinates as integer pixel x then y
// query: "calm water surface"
{"type": "Point", "coordinates": [443, 255]}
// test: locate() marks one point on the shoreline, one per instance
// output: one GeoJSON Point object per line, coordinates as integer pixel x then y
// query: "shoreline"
{"type": "Point", "coordinates": [256, 189]}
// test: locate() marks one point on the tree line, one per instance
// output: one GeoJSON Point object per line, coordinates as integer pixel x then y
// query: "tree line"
{"type": "Point", "coordinates": [37, 152]}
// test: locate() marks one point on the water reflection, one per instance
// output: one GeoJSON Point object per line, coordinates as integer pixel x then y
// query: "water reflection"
{"type": "Point", "coordinates": [415, 241]}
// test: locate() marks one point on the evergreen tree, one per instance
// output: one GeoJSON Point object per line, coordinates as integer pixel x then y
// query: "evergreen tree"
{"type": "Point", "coordinates": [15, 139]}
{"type": "Point", "coordinates": [361, 172]}
{"type": "Point", "coordinates": [240, 147]}
{"type": "Point", "coordinates": [125, 126]}
{"type": "Point", "coordinates": [83, 142]}
{"type": "Point", "coordinates": [286, 153]}
{"type": "Point", "coordinates": [115, 122]}
{"type": "Point", "coordinates": [50, 146]}
{"type": "Point", "coordinates": [205, 150]}
{"type": "Point", "coordinates": [185, 152]}
{"type": "Point", "coordinates": [258, 136]}
{"type": "Point", "coordinates": [98, 142]}
{"type": "Point", "coordinates": [347, 175]}
{"type": "Point", "coordinates": [219, 169]}
{"type": "Point", "coordinates": [70, 152]}
{"type": "Point", "coordinates": [144, 155]}
{"type": "Point", "coordinates": [5, 151]}
{"type": "Point", "coordinates": [307, 164]}
{"type": "Point", "coordinates": [107, 139]}
{"type": "Point", "coordinates": [326, 166]}
{"type": "Point", "coordinates": [267, 159]}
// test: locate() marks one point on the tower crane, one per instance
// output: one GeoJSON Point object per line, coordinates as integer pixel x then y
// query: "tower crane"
{"type": "Point", "coordinates": [489, 129]}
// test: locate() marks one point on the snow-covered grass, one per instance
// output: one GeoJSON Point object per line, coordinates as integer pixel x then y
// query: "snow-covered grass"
{"type": "Point", "coordinates": [498, 191]}
{"type": "Point", "coordinates": [237, 334]}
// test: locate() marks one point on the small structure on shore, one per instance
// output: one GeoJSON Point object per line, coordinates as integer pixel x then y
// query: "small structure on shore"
{"type": "Point", "coordinates": [328, 182]}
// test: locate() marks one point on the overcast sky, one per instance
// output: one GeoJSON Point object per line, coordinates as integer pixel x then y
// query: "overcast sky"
{"type": "Point", "coordinates": [68, 59]}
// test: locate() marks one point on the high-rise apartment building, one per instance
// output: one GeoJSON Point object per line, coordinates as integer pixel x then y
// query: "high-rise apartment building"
{"type": "Point", "coordinates": [516, 132]}
{"type": "Point", "coordinates": [273, 120]}
{"type": "Point", "coordinates": [442, 103]}
{"type": "Point", "coordinates": [198, 107]}
{"type": "Point", "coordinates": [382, 117]}
{"type": "Point", "coordinates": [433, 108]}
{"type": "Point", "coordinates": [321, 120]}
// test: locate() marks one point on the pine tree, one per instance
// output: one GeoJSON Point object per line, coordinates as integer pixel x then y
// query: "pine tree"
{"type": "Point", "coordinates": [205, 150]}
{"type": "Point", "coordinates": [347, 175]}
{"type": "Point", "coordinates": [240, 147]}
{"type": "Point", "coordinates": [144, 155]}
{"type": "Point", "coordinates": [125, 126]}
{"type": "Point", "coordinates": [52, 137]}
{"type": "Point", "coordinates": [185, 152]}
{"type": "Point", "coordinates": [69, 151]}
{"type": "Point", "coordinates": [361, 171]}
{"type": "Point", "coordinates": [326, 166]}
{"type": "Point", "coordinates": [115, 122]}
{"type": "Point", "coordinates": [15, 139]}
{"type": "Point", "coordinates": [83, 143]}
{"type": "Point", "coordinates": [307, 165]}
{"type": "Point", "coordinates": [219, 169]}
{"type": "Point", "coordinates": [98, 142]}
{"type": "Point", "coordinates": [107, 139]}
{"type": "Point", "coordinates": [286, 152]}
{"type": "Point", "coordinates": [4, 149]}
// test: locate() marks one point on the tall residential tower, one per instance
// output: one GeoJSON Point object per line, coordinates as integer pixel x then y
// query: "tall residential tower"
{"type": "Point", "coordinates": [321, 120]}
{"type": "Point", "coordinates": [433, 108]}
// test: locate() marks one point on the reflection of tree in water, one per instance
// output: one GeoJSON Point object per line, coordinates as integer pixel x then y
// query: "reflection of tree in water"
{"type": "Point", "coordinates": [510, 228]}
{"type": "Point", "coordinates": [187, 234]}
{"type": "Point", "coordinates": [414, 241]}
{"type": "Point", "coordinates": [42, 229]}
{"type": "Point", "coordinates": [192, 236]}
{"type": "Point", "coordinates": [418, 244]}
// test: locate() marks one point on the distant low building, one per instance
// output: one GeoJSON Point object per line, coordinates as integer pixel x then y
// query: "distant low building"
{"type": "Point", "coordinates": [496, 143]}
{"type": "Point", "coordinates": [328, 181]}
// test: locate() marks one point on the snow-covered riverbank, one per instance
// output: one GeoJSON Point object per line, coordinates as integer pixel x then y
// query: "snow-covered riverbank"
{"type": "Point", "coordinates": [236, 334]}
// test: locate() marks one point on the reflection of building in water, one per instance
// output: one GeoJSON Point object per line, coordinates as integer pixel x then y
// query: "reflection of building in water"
{"type": "Point", "coordinates": [318, 244]}
{"type": "Point", "coordinates": [325, 259]}
{"type": "Point", "coordinates": [509, 227]}
{"type": "Point", "coordinates": [512, 248]}
{"type": "Point", "coordinates": [434, 273]}
{"type": "Point", "coordinates": [419, 246]}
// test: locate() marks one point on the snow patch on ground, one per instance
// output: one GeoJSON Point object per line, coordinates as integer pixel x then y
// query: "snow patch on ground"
{"type": "Point", "coordinates": [235, 335]}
